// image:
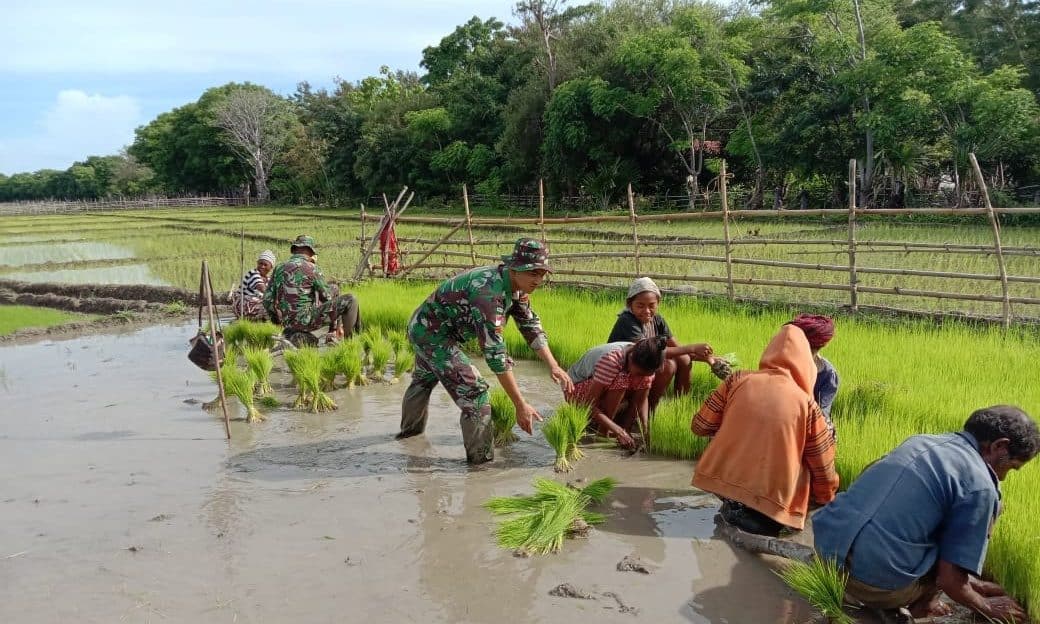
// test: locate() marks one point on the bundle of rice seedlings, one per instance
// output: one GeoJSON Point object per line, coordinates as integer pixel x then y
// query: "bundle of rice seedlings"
{"type": "Point", "coordinates": [503, 417]}
{"type": "Point", "coordinates": [380, 352]}
{"type": "Point", "coordinates": [822, 584]}
{"type": "Point", "coordinates": [723, 366]}
{"type": "Point", "coordinates": [398, 341]}
{"type": "Point", "coordinates": [260, 363]}
{"type": "Point", "coordinates": [404, 362]}
{"type": "Point", "coordinates": [239, 384]}
{"type": "Point", "coordinates": [538, 524]}
{"type": "Point", "coordinates": [329, 367]}
{"type": "Point", "coordinates": [557, 432]}
{"type": "Point", "coordinates": [348, 361]}
{"type": "Point", "coordinates": [369, 337]}
{"type": "Point", "coordinates": [577, 419]}
{"type": "Point", "coordinates": [261, 335]}
{"type": "Point", "coordinates": [235, 333]}
{"type": "Point", "coordinates": [670, 434]}
{"type": "Point", "coordinates": [305, 366]}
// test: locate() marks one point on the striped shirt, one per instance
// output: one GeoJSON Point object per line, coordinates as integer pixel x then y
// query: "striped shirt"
{"type": "Point", "coordinates": [604, 364]}
{"type": "Point", "coordinates": [250, 281]}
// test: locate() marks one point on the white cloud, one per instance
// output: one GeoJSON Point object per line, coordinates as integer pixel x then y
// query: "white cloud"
{"type": "Point", "coordinates": [75, 126]}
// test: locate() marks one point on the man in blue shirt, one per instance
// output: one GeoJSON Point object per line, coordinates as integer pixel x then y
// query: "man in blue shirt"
{"type": "Point", "coordinates": [917, 521]}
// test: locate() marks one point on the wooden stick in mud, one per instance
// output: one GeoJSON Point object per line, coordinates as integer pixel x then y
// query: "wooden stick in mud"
{"type": "Point", "coordinates": [996, 238]}
{"type": "Point", "coordinates": [375, 237]}
{"type": "Point", "coordinates": [635, 225]}
{"type": "Point", "coordinates": [764, 545]}
{"type": "Point", "coordinates": [216, 350]}
{"type": "Point", "coordinates": [469, 225]}
{"type": "Point", "coordinates": [725, 233]}
{"type": "Point", "coordinates": [853, 280]}
{"type": "Point", "coordinates": [541, 207]}
{"type": "Point", "coordinates": [363, 239]}
{"type": "Point", "coordinates": [242, 271]}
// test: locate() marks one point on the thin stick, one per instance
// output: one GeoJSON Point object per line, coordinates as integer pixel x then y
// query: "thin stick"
{"type": "Point", "coordinates": [635, 226]}
{"type": "Point", "coordinates": [725, 231]}
{"type": "Point", "coordinates": [996, 239]}
{"type": "Point", "coordinates": [430, 251]}
{"type": "Point", "coordinates": [469, 224]}
{"type": "Point", "coordinates": [375, 237]}
{"type": "Point", "coordinates": [541, 207]}
{"type": "Point", "coordinates": [216, 350]}
{"type": "Point", "coordinates": [242, 271]}
{"type": "Point", "coordinates": [363, 239]}
{"type": "Point", "coordinates": [853, 280]}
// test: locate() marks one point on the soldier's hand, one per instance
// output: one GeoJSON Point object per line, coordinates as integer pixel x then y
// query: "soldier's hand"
{"type": "Point", "coordinates": [561, 377]}
{"type": "Point", "coordinates": [525, 417]}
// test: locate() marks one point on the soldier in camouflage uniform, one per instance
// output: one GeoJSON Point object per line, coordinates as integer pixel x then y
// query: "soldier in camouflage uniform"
{"type": "Point", "coordinates": [476, 304]}
{"type": "Point", "coordinates": [300, 299]}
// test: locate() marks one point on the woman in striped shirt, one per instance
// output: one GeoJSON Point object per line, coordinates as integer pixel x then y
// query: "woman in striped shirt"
{"type": "Point", "coordinates": [247, 300]}
{"type": "Point", "coordinates": [614, 380]}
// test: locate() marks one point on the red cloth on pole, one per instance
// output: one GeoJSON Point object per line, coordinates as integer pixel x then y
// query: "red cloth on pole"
{"type": "Point", "coordinates": [388, 250]}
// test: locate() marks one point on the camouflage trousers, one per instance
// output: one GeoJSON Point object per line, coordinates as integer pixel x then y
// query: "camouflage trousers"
{"type": "Point", "coordinates": [449, 366]}
{"type": "Point", "coordinates": [340, 310]}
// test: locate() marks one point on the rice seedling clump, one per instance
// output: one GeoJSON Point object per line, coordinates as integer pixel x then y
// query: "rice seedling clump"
{"type": "Point", "coordinates": [538, 524]}
{"type": "Point", "coordinates": [670, 434]}
{"type": "Point", "coordinates": [822, 584]}
{"type": "Point", "coordinates": [577, 419]}
{"type": "Point", "coordinates": [557, 433]}
{"type": "Point", "coordinates": [381, 353]}
{"type": "Point", "coordinates": [239, 384]}
{"type": "Point", "coordinates": [305, 366]}
{"type": "Point", "coordinates": [503, 417]}
{"type": "Point", "coordinates": [260, 363]}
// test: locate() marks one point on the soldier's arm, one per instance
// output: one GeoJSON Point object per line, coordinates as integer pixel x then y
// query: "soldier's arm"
{"type": "Point", "coordinates": [321, 287]}
{"type": "Point", "coordinates": [528, 323]}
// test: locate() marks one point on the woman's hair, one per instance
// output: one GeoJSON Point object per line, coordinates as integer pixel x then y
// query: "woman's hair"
{"type": "Point", "coordinates": [648, 353]}
{"type": "Point", "coordinates": [1006, 421]}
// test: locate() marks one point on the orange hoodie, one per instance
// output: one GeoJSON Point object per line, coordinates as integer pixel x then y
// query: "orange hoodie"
{"type": "Point", "coordinates": [771, 445]}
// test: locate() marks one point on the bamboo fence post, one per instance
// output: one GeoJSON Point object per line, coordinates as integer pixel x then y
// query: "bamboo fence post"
{"type": "Point", "coordinates": [635, 226]}
{"type": "Point", "coordinates": [996, 238]}
{"type": "Point", "coordinates": [853, 289]}
{"type": "Point", "coordinates": [362, 239]}
{"type": "Point", "coordinates": [242, 270]}
{"type": "Point", "coordinates": [725, 231]}
{"type": "Point", "coordinates": [216, 348]}
{"type": "Point", "coordinates": [469, 224]}
{"type": "Point", "coordinates": [375, 237]}
{"type": "Point", "coordinates": [541, 207]}
{"type": "Point", "coordinates": [430, 251]}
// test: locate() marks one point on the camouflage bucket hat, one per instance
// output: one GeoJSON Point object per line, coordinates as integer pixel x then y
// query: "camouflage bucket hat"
{"type": "Point", "coordinates": [304, 241]}
{"type": "Point", "coordinates": [528, 254]}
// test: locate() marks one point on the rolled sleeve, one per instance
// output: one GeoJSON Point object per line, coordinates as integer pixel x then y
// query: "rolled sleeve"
{"type": "Point", "coordinates": [528, 323]}
{"type": "Point", "coordinates": [965, 533]}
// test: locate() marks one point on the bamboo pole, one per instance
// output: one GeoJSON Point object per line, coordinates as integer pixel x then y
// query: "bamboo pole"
{"type": "Point", "coordinates": [1002, 270]}
{"type": "Point", "coordinates": [635, 226]}
{"type": "Point", "coordinates": [242, 271]}
{"type": "Point", "coordinates": [217, 355]}
{"type": "Point", "coordinates": [725, 232]}
{"type": "Point", "coordinates": [469, 224]}
{"type": "Point", "coordinates": [853, 280]}
{"type": "Point", "coordinates": [541, 207]}
{"type": "Point", "coordinates": [430, 251]}
{"type": "Point", "coordinates": [362, 238]}
{"type": "Point", "coordinates": [375, 237]}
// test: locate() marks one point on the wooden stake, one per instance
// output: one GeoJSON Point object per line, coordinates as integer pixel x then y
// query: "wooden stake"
{"type": "Point", "coordinates": [469, 224]}
{"type": "Point", "coordinates": [635, 226]}
{"type": "Point", "coordinates": [541, 207]}
{"type": "Point", "coordinates": [996, 238]}
{"type": "Point", "coordinates": [242, 271]}
{"type": "Point", "coordinates": [725, 231]}
{"type": "Point", "coordinates": [216, 350]}
{"type": "Point", "coordinates": [853, 285]}
{"type": "Point", "coordinates": [375, 237]}
{"type": "Point", "coordinates": [363, 239]}
{"type": "Point", "coordinates": [430, 251]}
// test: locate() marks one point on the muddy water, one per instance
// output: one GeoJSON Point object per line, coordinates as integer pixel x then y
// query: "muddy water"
{"type": "Point", "coordinates": [121, 502]}
{"type": "Point", "coordinates": [128, 274]}
{"type": "Point", "coordinates": [20, 255]}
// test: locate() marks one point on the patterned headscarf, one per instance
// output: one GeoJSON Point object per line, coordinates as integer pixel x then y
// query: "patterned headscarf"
{"type": "Point", "coordinates": [267, 255]}
{"type": "Point", "coordinates": [819, 329]}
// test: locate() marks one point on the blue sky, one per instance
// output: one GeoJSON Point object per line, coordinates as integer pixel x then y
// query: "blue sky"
{"type": "Point", "coordinates": [77, 77]}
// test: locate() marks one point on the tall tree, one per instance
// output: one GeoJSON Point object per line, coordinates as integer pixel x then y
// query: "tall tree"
{"type": "Point", "coordinates": [257, 124]}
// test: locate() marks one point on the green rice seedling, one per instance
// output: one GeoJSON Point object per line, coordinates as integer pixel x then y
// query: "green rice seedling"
{"type": "Point", "coordinates": [239, 384]}
{"type": "Point", "coordinates": [822, 584]}
{"type": "Point", "coordinates": [576, 418]}
{"type": "Point", "coordinates": [260, 363]}
{"type": "Point", "coordinates": [404, 363]}
{"type": "Point", "coordinates": [557, 433]}
{"type": "Point", "coordinates": [503, 417]}
{"type": "Point", "coordinates": [670, 434]}
{"type": "Point", "coordinates": [235, 333]}
{"type": "Point", "coordinates": [539, 523]}
{"type": "Point", "coordinates": [261, 335]}
{"type": "Point", "coordinates": [380, 353]}
{"type": "Point", "coordinates": [398, 341]}
{"type": "Point", "coordinates": [370, 337]}
{"type": "Point", "coordinates": [269, 401]}
{"type": "Point", "coordinates": [305, 367]}
{"type": "Point", "coordinates": [348, 361]}
{"type": "Point", "coordinates": [329, 368]}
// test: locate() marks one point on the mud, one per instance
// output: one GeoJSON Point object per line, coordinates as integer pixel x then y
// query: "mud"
{"type": "Point", "coordinates": [151, 294]}
{"type": "Point", "coordinates": [123, 502]}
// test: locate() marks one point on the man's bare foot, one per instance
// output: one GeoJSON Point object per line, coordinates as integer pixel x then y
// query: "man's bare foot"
{"type": "Point", "coordinates": [930, 608]}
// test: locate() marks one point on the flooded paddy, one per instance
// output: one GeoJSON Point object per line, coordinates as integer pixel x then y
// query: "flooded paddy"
{"type": "Point", "coordinates": [123, 503]}
{"type": "Point", "coordinates": [131, 274]}
{"type": "Point", "coordinates": [20, 255]}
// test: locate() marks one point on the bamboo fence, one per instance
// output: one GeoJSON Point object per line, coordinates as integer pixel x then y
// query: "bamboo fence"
{"type": "Point", "coordinates": [436, 256]}
{"type": "Point", "coordinates": [65, 207]}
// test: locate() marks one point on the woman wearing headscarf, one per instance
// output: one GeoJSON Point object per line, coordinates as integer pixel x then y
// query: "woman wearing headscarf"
{"type": "Point", "coordinates": [819, 330]}
{"type": "Point", "coordinates": [247, 300]}
{"type": "Point", "coordinates": [771, 448]}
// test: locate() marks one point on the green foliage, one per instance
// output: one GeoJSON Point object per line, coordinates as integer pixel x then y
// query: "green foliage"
{"type": "Point", "coordinates": [822, 584]}
{"type": "Point", "coordinates": [537, 524]}
{"type": "Point", "coordinates": [245, 333]}
{"type": "Point", "coordinates": [556, 430]}
{"type": "Point", "coordinates": [670, 434]}
{"type": "Point", "coordinates": [260, 363]}
{"type": "Point", "coordinates": [239, 384]}
{"type": "Point", "coordinates": [306, 366]}
{"type": "Point", "coordinates": [503, 417]}
{"type": "Point", "coordinates": [13, 318]}
{"type": "Point", "coordinates": [381, 353]}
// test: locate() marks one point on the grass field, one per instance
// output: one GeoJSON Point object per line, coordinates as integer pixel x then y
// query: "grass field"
{"type": "Point", "coordinates": [13, 318]}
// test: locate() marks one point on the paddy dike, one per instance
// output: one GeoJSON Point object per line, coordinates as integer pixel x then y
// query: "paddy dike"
{"type": "Point", "coordinates": [122, 501]}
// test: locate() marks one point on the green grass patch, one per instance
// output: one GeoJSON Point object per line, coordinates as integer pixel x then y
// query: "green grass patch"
{"type": "Point", "coordinates": [15, 317]}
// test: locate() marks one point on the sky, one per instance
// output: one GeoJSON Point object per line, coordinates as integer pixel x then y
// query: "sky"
{"type": "Point", "coordinates": [77, 77]}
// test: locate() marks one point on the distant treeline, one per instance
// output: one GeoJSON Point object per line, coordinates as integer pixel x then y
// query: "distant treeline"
{"type": "Point", "coordinates": [653, 92]}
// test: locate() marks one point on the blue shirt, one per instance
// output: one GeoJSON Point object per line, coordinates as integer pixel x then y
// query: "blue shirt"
{"type": "Point", "coordinates": [931, 498]}
{"type": "Point", "coordinates": [826, 387]}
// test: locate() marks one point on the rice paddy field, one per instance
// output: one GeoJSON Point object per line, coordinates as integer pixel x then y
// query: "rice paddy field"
{"type": "Point", "coordinates": [899, 376]}
{"type": "Point", "coordinates": [16, 317]}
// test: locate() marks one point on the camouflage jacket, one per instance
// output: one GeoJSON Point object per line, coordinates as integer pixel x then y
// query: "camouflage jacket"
{"type": "Point", "coordinates": [475, 304]}
{"type": "Point", "coordinates": [295, 285]}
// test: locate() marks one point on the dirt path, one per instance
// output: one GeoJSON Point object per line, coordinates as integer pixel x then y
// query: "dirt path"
{"type": "Point", "coordinates": [122, 502]}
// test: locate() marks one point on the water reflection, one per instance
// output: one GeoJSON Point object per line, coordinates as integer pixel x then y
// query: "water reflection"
{"type": "Point", "coordinates": [129, 275]}
{"type": "Point", "coordinates": [20, 255]}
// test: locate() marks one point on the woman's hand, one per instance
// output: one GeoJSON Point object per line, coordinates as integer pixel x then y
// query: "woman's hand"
{"type": "Point", "coordinates": [700, 352]}
{"type": "Point", "coordinates": [625, 440]}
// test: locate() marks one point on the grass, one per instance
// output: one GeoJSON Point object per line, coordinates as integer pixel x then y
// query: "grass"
{"type": "Point", "coordinates": [537, 524]}
{"type": "Point", "coordinates": [16, 317]}
{"type": "Point", "coordinates": [557, 432]}
{"type": "Point", "coordinates": [670, 434]}
{"type": "Point", "coordinates": [305, 365]}
{"type": "Point", "coordinates": [822, 584]}
{"type": "Point", "coordinates": [260, 363]}
{"type": "Point", "coordinates": [503, 417]}
{"type": "Point", "coordinates": [239, 384]}
{"type": "Point", "coordinates": [246, 333]}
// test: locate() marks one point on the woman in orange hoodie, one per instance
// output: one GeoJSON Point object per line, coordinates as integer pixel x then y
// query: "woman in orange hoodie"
{"type": "Point", "coordinates": [771, 446]}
